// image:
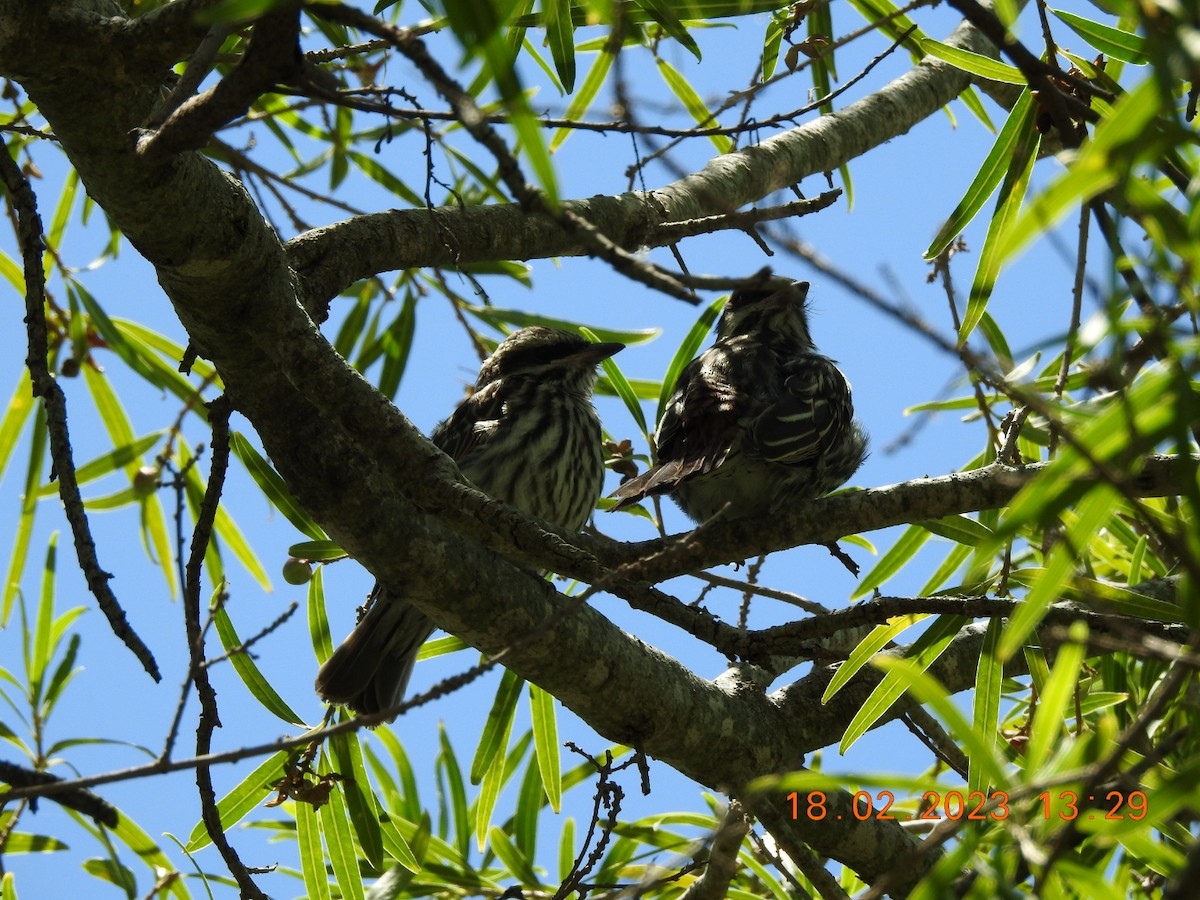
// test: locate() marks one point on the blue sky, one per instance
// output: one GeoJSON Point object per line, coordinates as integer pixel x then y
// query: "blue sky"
{"type": "Point", "coordinates": [902, 193]}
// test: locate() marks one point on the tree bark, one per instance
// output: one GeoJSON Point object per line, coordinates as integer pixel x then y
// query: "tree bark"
{"type": "Point", "coordinates": [365, 473]}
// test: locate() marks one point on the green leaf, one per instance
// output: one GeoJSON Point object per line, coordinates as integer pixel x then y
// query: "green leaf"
{"type": "Point", "coordinates": [888, 18]}
{"type": "Point", "coordinates": [373, 169]}
{"type": "Point", "coordinates": [155, 531]}
{"type": "Point", "coordinates": [545, 744]}
{"type": "Point", "coordinates": [144, 847]}
{"type": "Point", "coordinates": [20, 550]}
{"type": "Point", "coordinates": [989, 681]}
{"type": "Point", "coordinates": [686, 94]}
{"type": "Point", "coordinates": [1114, 42]}
{"type": "Point", "coordinates": [15, 417]}
{"type": "Point", "coordinates": [498, 318]}
{"type": "Point", "coordinates": [312, 856]}
{"type": "Point", "coordinates": [1094, 170]}
{"type": "Point", "coordinates": [979, 746]}
{"type": "Point", "coordinates": [566, 849]}
{"type": "Point", "coordinates": [560, 35]}
{"type": "Point", "coordinates": [971, 100]}
{"type": "Point", "coordinates": [518, 864]}
{"type": "Point", "coordinates": [1051, 711]}
{"type": "Point", "coordinates": [318, 622]}
{"type": "Point", "coordinates": [905, 548]}
{"type": "Point", "coordinates": [959, 528]}
{"type": "Point", "coordinates": [1031, 612]}
{"type": "Point", "coordinates": [499, 722]}
{"type": "Point", "coordinates": [616, 378]}
{"type": "Point", "coordinates": [773, 41]}
{"type": "Point", "coordinates": [247, 795]}
{"type": "Point", "coordinates": [347, 760]}
{"type": "Point", "coordinates": [339, 841]}
{"type": "Point", "coordinates": [41, 647]}
{"type": "Point", "coordinates": [661, 12]}
{"type": "Point", "coordinates": [248, 671]}
{"type": "Point", "coordinates": [995, 164]}
{"type": "Point", "coordinates": [923, 653]}
{"type": "Point", "coordinates": [493, 777]}
{"type": "Point", "coordinates": [582, 101]}
{"type": "Point", "coordinates": [141, 358]}
{"type": "Point", "coordinates": [523, 825]}
{"type": "Point", "coordinates": [317, 551]}
{"type": "Point", "coordinates": [975, 63]}
{"type": "Point", "coordinates": [457, 794]}
{"type": "Point", "coordinates": [23, 842]}
{"type": "Point", "coordinates": [601, 13]}
{"type": "Point", "coordinates": [687, 351]}
{"type": "Point", "coordinates": [58, 223]}
{"type": "Point", "coordinates": [1008, 205]}
{"type": "Point", "coordinates": [12, 273]}
{"type": "Point", "coordinates": [118, 458]}
{"type": "Point", "coordinates": [880, 637]}
{"type": "Point", "coordinates": [273, 486]}
{"type": "Point", "coordinates": [529, 132]}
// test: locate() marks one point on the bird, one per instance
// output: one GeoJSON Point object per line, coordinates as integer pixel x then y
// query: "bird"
{"type": "Point", "coordinates": [528, 435]}
{"type": "Point", "coordinates": [758, 422]}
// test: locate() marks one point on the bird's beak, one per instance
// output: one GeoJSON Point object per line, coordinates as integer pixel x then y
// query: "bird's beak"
{"type": "Point", "coordinates": [594, 353]}
{"type": "Point", "coordinates": [797, 290]}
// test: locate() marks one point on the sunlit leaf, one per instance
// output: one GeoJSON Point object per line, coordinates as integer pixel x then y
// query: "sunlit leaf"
{"type": "Point", "coordinates": [248, 671]}
{"type": "Point", "coordinates": [975, 63]}
{"type": "Point", "coordinates": [1096, 168]}
{"type": "Point", "coordinates": [695, 106]}
{"type": "Point", "coordinates": [922, 654]}
{"type": "Point", "coordinates": [272, 486]}
{"type": "Point", "coordinates": [347, 760]}
{"type": "Point", "coordinates": [1054, 699]}
{"type": "Point", "coordinates": [339, 841]}
{"type": "Point", "coordinates": [249, 793]}
{"type": "Point", "coordinates": [546, 744]}
{"type": "Point", "coordinates": [1114, 42]}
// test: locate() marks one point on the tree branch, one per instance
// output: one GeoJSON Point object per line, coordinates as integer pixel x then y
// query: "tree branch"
{"type": "Point", "coordinates": [333, 257]}
{"type": "Point", "coordinates": [29, 226]}
{"type": "Point", "coordinates": [273, 54]}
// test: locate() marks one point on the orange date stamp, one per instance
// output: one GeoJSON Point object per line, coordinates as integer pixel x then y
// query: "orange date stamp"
{"type": "Point", "coordinates": [973, 806]}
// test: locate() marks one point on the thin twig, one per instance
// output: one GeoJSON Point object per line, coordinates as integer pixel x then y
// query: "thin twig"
{"type": "Point", "coordinates": [29, 235]}
{"type": "Point", "coordinates": [219, 412]}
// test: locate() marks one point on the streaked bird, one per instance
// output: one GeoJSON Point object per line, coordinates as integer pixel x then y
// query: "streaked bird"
{"type": "Point", "coordinates": [758, 422]}
{"type": "Point", "coordinates": [529, 436]}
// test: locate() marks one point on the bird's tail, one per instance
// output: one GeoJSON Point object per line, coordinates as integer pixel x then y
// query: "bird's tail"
{"type": "Point", "coordinates": [369, 671]}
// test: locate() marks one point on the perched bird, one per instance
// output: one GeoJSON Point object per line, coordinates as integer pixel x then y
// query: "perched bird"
{"type": "Point", "coordinates": [529, 436]}
{"type": "Point", "coordinates": [759, 421]}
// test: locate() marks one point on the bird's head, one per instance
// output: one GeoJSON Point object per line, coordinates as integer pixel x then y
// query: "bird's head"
{"type": "Point", "coordinates": [548, 353]}
{"type": "Point", "coordinates": [776, 315]}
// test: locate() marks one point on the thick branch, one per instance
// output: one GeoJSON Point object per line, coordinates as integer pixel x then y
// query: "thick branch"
{"type": "Point", "coordinates": [850, 513]}
{"type": "Point", "coordinates": [334, 257]}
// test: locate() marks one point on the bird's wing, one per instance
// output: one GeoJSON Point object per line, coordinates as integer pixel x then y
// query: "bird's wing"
{"type": "Point", "coordinates": [471, 424]}
{"type": "Point", "coordinates": [812, 413]}
{"type": "Point", "coordinates": [698, 429]}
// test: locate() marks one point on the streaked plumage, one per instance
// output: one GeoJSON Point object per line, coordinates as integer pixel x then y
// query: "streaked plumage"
{"type": "Point", "coordinates": [529, 436]}
{"type": "Point", "coordinates": [757, 422]}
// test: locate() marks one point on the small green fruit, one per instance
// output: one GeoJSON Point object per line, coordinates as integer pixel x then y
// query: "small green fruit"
{"type": "Point", "coordinates": [297, 571]}
{"type": "Point", "coordinates": [145, 481]}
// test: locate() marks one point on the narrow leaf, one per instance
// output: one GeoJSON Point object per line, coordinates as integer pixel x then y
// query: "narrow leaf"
{"type": "Point", "coordinates": [686, 94]}
{"type": "Point", "coordinates": [248, 671]}
{"type": "Point", "coordinates": [989, 680]}
{"type": "Point", "coordinates": [545, 744]}
{"type": "Point", "coordinates": [923, 653]}
{"type": "Point", "coordinates": [990, 173]}
{"type": "Point", "coordinates": [1114, 42]}
{"type": "Point", "coordinates": [1051, 711]}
